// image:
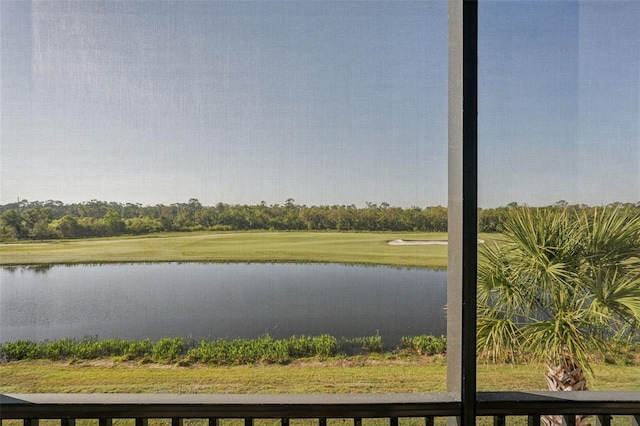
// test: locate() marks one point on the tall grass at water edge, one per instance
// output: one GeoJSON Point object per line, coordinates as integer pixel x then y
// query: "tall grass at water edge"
{"type": "Point", "coordinates": [265, 349]}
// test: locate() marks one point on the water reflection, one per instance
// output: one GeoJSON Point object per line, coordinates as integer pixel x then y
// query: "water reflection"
{"type": "Point", "coordinates": [137, 301]}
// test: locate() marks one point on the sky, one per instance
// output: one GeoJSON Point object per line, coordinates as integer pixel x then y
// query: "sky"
{"type": "Point", "coordinates": [324, 102]}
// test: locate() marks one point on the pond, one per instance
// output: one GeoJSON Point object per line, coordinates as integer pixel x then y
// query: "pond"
{"type": "Point", "coordinates": [211, 300]}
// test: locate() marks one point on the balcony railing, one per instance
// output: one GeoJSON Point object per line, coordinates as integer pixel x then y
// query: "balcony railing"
{"type": "Point", "coordinates": [141, 407]}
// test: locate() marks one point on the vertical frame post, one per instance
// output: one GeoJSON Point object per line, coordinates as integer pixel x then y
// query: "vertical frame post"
{"type": "Point", "coordinates": [463, 205]}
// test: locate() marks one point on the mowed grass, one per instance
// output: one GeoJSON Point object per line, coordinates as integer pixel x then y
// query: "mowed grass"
{"type": "Point", "coordinates": [336, 376]}
{"type": "Point", "coordinates": [365, 248]}
{"type": "Point", "coordinates": [339, 376]}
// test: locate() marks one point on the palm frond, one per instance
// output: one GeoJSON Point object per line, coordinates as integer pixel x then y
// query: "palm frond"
{"type": "Point", "coordinates": [499, 336]}
{"type": "Point", "coordinates": [565, 280]}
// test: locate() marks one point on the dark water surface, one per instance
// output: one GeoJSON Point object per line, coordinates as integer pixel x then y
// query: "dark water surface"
{"type": "Point", "coordinates": [139, 301]}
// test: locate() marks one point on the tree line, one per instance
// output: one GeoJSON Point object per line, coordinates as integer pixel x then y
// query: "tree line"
{"type": "Point", "coordinates": [40, 220]}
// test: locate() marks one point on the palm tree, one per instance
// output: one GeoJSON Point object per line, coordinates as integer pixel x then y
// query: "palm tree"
{"type": "Point", "coordinates": [558, 287]}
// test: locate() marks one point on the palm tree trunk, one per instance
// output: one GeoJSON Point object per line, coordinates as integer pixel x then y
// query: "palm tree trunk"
{"type": "Point", "coordinates": [565, 377]}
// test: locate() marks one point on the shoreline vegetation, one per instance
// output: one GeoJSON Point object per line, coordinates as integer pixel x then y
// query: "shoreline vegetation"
{"type": "Point", "coordinates": [313, 364]}
{"type": "Point", "coordinates": [264, 350]}
{"type": "Point", "coordinates": [188, 351]}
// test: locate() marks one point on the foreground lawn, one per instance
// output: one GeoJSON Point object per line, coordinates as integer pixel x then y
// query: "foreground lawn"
{"type": "Point", "coordinates": [350, 248]}
{"type": "Point", "coordinates": [349, 375]}
{"type": "Point", "coordinates": [338, 376]}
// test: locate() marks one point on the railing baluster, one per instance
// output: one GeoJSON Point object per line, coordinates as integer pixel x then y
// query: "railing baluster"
{"type": "Point", "coordinates": [177, 422]}
{"type": "Point", "coordinates": [31, 422]}
{"type": "Point", "coordinates": [499, 420]}
{"type": "Point", "coordinates": [533, 421]}
{"type": "Point", "coordinates": [214, 421]}
{"type": "Point", "coordinates": [429, 421]}
{"type": "Point", "coordinates": [67, 422]}
{"type": "Point", "coordinates": [142, 422]}
{"type": "Point", "coordinates": [248, 421]}
{"type": "Point", "coordinates": [284, 422]}
{"type": "Point", "coordinates": [393, 421]}
{"type": "Point", "coordinates": [635, 420]}
{"type": "Point", "coordinates": [603, 420]}
{"type": "Point", "coordinates": [569, 420]}
{"type": "Point", "coordinates": [357, 421]}
{"type": "Point", "coordinates": [105, 422]}
{"type": "Point", "coordinates": [322, 421]}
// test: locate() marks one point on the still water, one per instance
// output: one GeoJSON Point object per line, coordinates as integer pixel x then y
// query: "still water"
{"type": "Point", "coordinates": [139, 301]}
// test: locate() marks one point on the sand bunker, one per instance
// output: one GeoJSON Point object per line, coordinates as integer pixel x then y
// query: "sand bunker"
{"type": "Point", "coordinates": [420, 242]}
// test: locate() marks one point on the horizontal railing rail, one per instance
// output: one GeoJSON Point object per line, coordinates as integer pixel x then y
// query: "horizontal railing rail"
{"type": "Point", "coordinates": [356, 406]}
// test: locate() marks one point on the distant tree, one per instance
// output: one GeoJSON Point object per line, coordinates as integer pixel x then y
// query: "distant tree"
{"type": "Point", "coordinates": [143, 225]}
{"type": "Point", "coordinates": [41, 230]}
{"type": "Point", "coordinates": [92, 227]}
{"type": "Point", "coordinates": [36, 214]}
{"type": "Point", "coordinates": [562, 204]}
{"type": "Point", "coordinates": [436, 219]}
{"type": "Point", "coordinates": [114, 223]}
{"type": "Point", "coordinates": [12, 224]}
{"type": "Point", "coordinates": [491, 220]}
{"type": "Point", "coordinates": [67, 227]}
{"type": "Point", "coordinates": [206, 217]}
{"type": "Point", "coordinates": [185, 221]}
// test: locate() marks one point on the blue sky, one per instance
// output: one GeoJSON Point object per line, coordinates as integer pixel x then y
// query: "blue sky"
{"type": "Point", "coordinates": [323, 102]}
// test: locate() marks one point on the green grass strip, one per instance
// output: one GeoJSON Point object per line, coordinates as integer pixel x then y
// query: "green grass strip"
{"type": "Point", "coordinates": [367, 248]}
